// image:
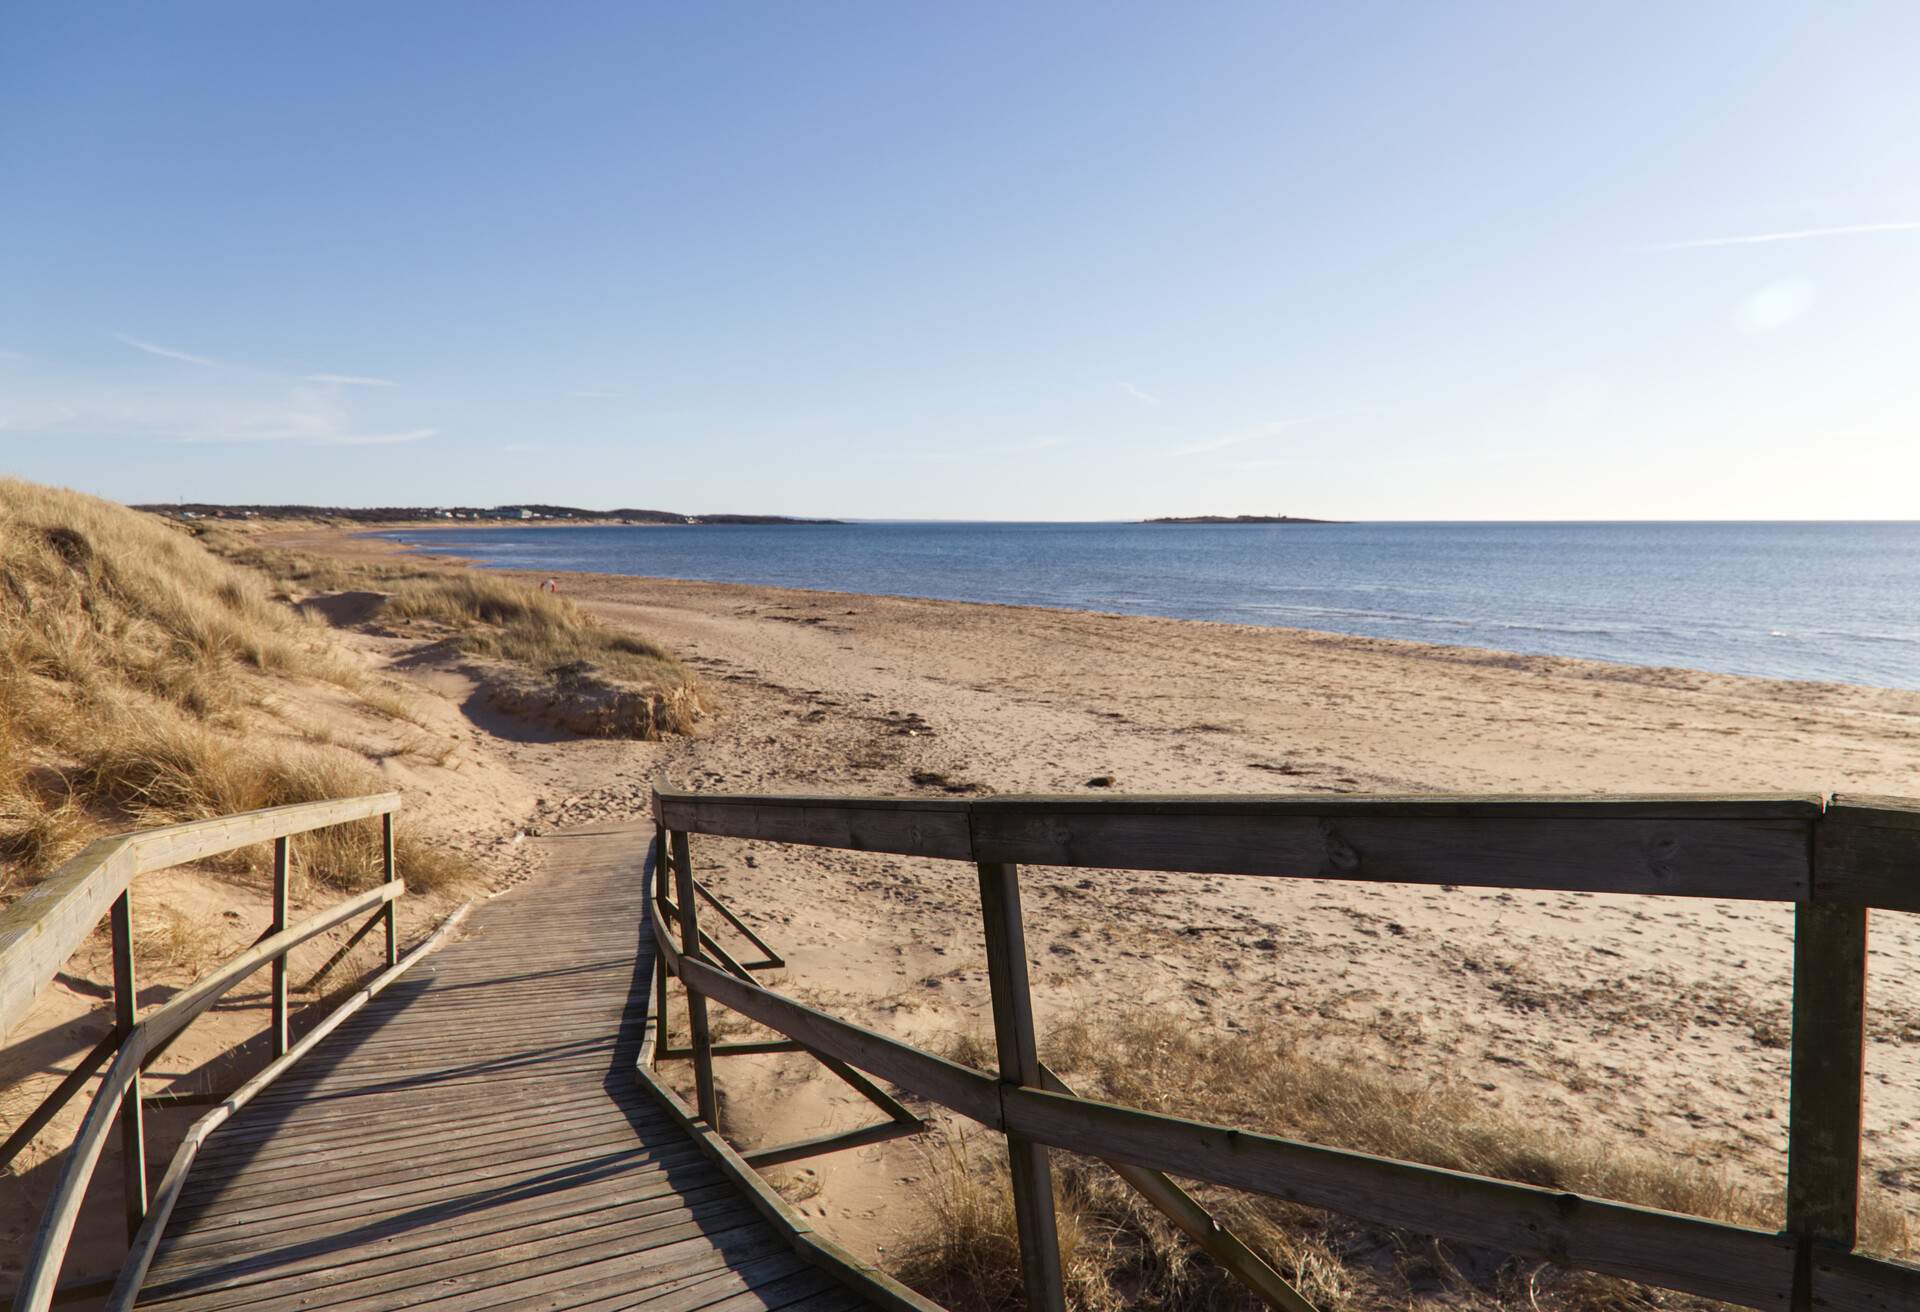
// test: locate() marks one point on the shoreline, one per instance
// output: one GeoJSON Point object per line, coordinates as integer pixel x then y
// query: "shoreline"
{"type": "Point", "coordinates": [1469, 652]}
{"type": "Point", "coordinates": [1654, 1022]}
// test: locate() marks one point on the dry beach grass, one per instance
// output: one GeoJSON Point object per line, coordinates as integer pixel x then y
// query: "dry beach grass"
{"type": "Point", "coordinates": [1120, 1253]}
{"type": "Point", "coordinates": [572, 656]}
{"type": "Point", "coordinates": [131, 662]}
{"type": "Point", "coordinates": [550, 659]}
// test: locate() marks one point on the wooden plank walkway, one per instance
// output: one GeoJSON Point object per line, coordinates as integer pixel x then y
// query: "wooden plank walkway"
{"type": "Point", "coordinates": [474, 1138]}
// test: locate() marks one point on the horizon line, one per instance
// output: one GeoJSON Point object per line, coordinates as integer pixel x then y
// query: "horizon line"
{"type": "Point", "coordinates": [974, 519]}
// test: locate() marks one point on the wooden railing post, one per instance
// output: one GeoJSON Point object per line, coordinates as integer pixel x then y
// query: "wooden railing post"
{"type": "Point", "coordinates": [386, 850]}
{"type": "Point", "coordinates": [696, 1004]}
{"type": "Point", "coordinates": [660, 1043]}
{"type": "Point", "coordinates": [1829, 1068]}
{"type": "Point", "coordinates": [1014, 1036]}
{"type": "Point", "coordinates": [126, 1014]}
{"type": "Point", "coordinates": [282, 855]}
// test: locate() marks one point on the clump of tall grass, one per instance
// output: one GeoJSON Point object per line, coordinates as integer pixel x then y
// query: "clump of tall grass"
{"type": "Point", "coordinates": [168, 936]}
{"type": "Point", "coordinates": [505, 620]}
{"type": "Point", "coordinates": [307, 572]}
{"type": "Point", "coordinates": [965, 1253]}
{"type": "Point", "coordinates": [129, 658]}
{"type": "Point", "coordinates": [88, 587]}
{"type": "Point", "coordinates": [510, 621]}
{"type": "Point", "coordinates": [587, 675]}
{"type": "Point", "coordinates": [161, 770]}
{"type": "Point", "coordinates": [41, 825]}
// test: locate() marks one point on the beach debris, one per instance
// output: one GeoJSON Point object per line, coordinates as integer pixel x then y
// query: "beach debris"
{"type": "Point", "coordinates": [904, 724]}
{"type": "Point", "coordinates": [934, 779]}
{"type": "Point", "coordinates": [1102, 781]}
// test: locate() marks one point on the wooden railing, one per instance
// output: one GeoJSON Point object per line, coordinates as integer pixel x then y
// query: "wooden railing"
{"type": "Point", "coordinates": [1832, 858]}
{"type": "Point", "coordinates": [42, 929]}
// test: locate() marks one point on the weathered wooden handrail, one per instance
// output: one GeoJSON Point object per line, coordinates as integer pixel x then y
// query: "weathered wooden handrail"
{"type": "Point", "coordinates": [42, 927]}
{"type": "Point", "coordinates": [899, 1120]}
{"type": "Point", "coordinates": [40, 930]}
{"type": "Point", "coordinates": [127, 1288]}
{"type": "Point", "coordinates": [1832, 858]}
{"type": "Point", "coordinates": [76, 1170]}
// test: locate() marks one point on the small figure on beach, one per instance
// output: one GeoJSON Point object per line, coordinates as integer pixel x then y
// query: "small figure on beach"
{"type": "Point", "coordinates": [551, 585]}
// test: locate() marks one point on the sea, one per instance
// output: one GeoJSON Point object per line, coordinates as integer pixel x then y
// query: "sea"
{"type": "Point", "coordinates": [1823, 601]}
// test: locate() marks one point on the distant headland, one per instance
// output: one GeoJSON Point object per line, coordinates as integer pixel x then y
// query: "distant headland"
{"type": "Point", "coordinates": [518, 514]}
{"type": "Point", "coordinates": [1239, 519]}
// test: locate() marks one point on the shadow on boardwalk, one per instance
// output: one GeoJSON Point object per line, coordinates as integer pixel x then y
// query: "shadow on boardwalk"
{"type": "Point", "coordinates": [474, 1138]}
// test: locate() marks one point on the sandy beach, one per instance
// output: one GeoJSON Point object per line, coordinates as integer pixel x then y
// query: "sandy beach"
{"type": "Point", "coordinates": [1649, 1025]}
{"type": "Point", "coordinates": [1654, 1023]}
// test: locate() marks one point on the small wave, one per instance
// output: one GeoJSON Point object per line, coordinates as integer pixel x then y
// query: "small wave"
{"type": "Point", "coordinates": [1861, 635]}
{"type": "Point", "coordinates": [1463, 622]}
{"type": "Point", "coordinates": [1355, 613]}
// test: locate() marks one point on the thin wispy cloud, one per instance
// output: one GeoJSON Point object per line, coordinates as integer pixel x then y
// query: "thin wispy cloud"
{"type": "Point", "coordinates": [381, 439]}
{"type": "Point", "coordinates": [165, 352]}
{"type": "Point", "coordinates": [34, 415]}
{"type": "Point", "coordinates": [350, 380]}
{"type": "Point", "coordinates": [227, 406]}
{"type": "Point", "coordinates": [1252, 434]}
{"type": "Point", "coordinates": [78, 424]}
{"type": "Point", "coordinates": [1145, 398]}
{"type": "Point", "coordinates": [1046, 443]}
{"type": "Point", "coordinates": [1797, 234]}
{"type": "Point", "coordinates": [313, 438]}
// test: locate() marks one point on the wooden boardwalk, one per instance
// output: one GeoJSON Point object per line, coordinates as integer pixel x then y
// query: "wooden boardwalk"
{"type": "Point", "coordinates": [475, 1138]}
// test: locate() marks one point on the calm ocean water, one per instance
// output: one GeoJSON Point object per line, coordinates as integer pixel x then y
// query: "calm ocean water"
{"type": "Point", "coordinates": [1799, 601]}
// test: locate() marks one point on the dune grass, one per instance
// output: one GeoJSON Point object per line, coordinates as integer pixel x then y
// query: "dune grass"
{"type": "Point", "coordinates": [130, 660]}
{"type": "Point", "coordinates": [638, 689]}
{"type": "Point", "coordinates": [90, 588]}
{"type": "Point", "coordinates": [509, 620]}
{"type": "Point", "coordinates": [160, 770]}
{"type": "Point", "coordinates": [505, 620]}
{"type": "Point", "coordinates": [302, 570]}
{"type": "Point", "coordinates": [1118, 1252]}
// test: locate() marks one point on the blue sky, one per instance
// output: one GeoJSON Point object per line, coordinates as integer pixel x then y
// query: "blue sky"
{"type": "Point", "coordinates": [995, 261]}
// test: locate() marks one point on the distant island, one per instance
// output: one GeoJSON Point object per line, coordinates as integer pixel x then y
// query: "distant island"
{"type": "Point", "coordinates": [1239, 519]}
{"type": "Point", "coordinates": [508, 514]}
